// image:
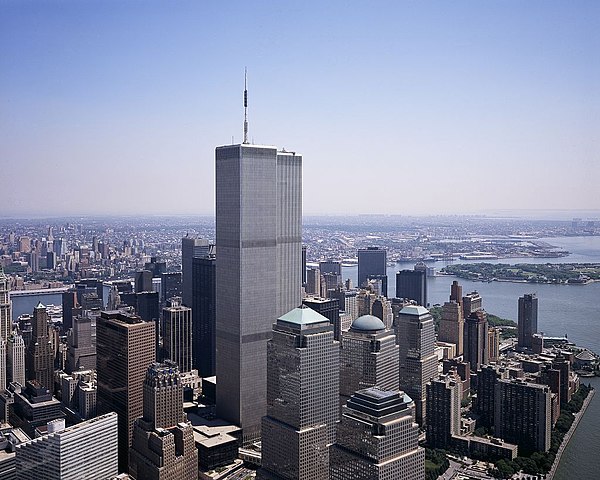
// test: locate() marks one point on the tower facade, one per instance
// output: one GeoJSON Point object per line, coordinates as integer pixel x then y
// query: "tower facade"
{"type": "Point", "coordinates": [177, 337]}
{"type": "Point", "coordinates": [476, 338]}
{"type": "Point", "coordinates": [452, 325]}
{"type": "Point", "coordinates": [125, 347]}
{"type": "Point", "coordinates": [5, 307]}
{"type": "Point", "coordinates": [163, 445]}
{"type": "Point", "coordinates": [302, 397]}
{"type": "Point", "coordinates": [15, 359]}
{"type": "Point", "coordinates": [369, 357]}
{"type": "Point", "coordinates": [412, 285]}
{"type": "Point", "coordinates": [528, 319]}
{"type": "Point", "coordinates": [39, 359]}
{"type": "Point", "coordinates": [415, 335]}
{"type": "Point", "coordinates": [3, 372]}
{"type": "Point", "coordinates": [204, 293]}
{"type": "Point", "coordinates": [378, 439]}
{"type": "Point", "coordinates": [258, 233]}
{"type": "Point", "coordinates": [372, 261]}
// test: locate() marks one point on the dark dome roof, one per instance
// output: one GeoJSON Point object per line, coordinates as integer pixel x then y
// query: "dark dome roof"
{"type": "Point", "coordinates": [367, 323]}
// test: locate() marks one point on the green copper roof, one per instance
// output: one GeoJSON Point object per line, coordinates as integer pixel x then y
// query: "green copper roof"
{"type": "Point", "coordinates": [303, 316]}
{"type": "Point", "coordinates": [414, 310]}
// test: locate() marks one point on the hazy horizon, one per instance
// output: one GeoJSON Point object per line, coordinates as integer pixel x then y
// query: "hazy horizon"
{"type": "Point", "coordinates": [398, 108]}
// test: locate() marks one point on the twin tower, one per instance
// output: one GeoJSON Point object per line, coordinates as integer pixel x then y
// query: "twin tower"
{"type": "Point", "coordinates": [258, 277]}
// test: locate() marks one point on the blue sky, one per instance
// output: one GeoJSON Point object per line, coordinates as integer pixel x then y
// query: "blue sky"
{"type": "Point", "coordinates": [398, 107]}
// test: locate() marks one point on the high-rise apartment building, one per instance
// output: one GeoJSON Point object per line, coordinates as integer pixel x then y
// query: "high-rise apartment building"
{"type": "Point", "coordinates": [377, 439]}
{"type": "Point", "coordinates": [452, 326]}
{"type": "Point", "coordinates": [415, 335]}
{"type": "Point", "coordinates": [302, 397]}
{"type": "Point", "coordinates": [528, 319]}
{"type": "Point", "coordinates": [177, 338]}
{"type": "Point", "coordinates": [5, 307]}
{"type": "Point", "coordinates": [190, 248]}
{"type": "Point", "coordinates": [523, 415]}
{"type": "Point", "coordinates": [39, 357]}
{"type": "Point", "coordinates": [471, 302]}
{"type": "Point", "coordinates": [412, 285]}
{"type": "Point", "coordinates": [368, 358]}
{"type": "Point", "coordinates": [456, 292]}
{"type": "Point", "coordinates": [204, 314]}
{"type": "Point", "coordinates": [487, 378]}
{"type": "Point", "coordinates": [85, 451]}
{"type": "Point", "coordinates": [476, 338]}
{"type": "Point", "coordinates": [125, 347]}
{"type": "Point", "coordinates": [15, 359]}
{"type": "Point", "coordinates": [258, 234]}
{"type": "Point", "coordinates": [163, 445]}
{"type": "Point", "coordinates": [443, 411]}
{"type": "Point", "coordinates": [372, 261]}
{"type": "Point", "coordinates": [493, 344]}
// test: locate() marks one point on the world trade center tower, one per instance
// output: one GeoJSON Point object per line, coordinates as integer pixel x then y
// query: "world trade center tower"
{"type": "Point", "coordinates": [258, 270]}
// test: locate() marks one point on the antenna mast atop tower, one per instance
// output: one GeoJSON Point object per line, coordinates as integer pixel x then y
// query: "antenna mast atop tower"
{"type": "Point", "coordinates": [245, 105]}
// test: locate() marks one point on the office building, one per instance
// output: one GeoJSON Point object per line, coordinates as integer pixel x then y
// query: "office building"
{"type": "Point", "coordinates": [329, 308]}
{"type": "Point", "coordinates": [163, 440]}
{"type": "Point", "coordinates": [456, 292]}
{"type": "Point", "coordinates": [170, 285]}
{"type": "Point", "coordinates": [39, 357]}
{"type": "Point", "coordinates": [368, 358]}
{"type": "Point", "coordinates": [443, 411]}
{"type": "Point", "coordinates": [452, 326]}
{"type": "Point", "coordinates": [412, 285]}
{"type": "Point", "coordinates": [177, 339]}
{"type": "Point", "coordinates": [372, 262]}
{"type": "Point", "coordinates": [303, 264]}
{"type": "Point", "coordinates": [33, 407]}
{"type": "Point", "coordinates": [69, 302]}
{"type": "Point", "coordinates": [471, 302]}
{"type": "Point", "coordinates": [81, 351]}
{"type": "Point", "coordinates": [347, 301]}
{"type": "Point", "coordinates": [476, 338]}
{"type": "Point", "coordinates": [258, 233]}
{"type": "Point", "coordinates": [523, 415]}
{"type": "Point", "coordinates": [190, 248]}
{"type": "Point", "coordinates": [302, 397]}
{"type": "Point", "coordinates": [313, 281]}
{"type": "Point", "coordinates": [156, 267]}
{"type": "Point", "coordinates": [415, 335]}
{"type": "Point", "coordinates": [86, 451]}
{"type": "Point", "coordinates": [3, 372]}
{"type": "Point", "coordinates": [329, 283]}
{"type": "Point", "coordinates": [528, 319]}
{"type": "Point", "coordinates": [79, 394]}
{"type": "Point", "coordinates": [377, 439]}
{"type": "Point", "coordinates": [15, 359]}
{"type": "Point", "coordinates": [204, 315]}
{"type": "Point", "coordinates": [493, 344]}
{"type": "Point", "coordinates": [5, 307]}
{"type": "Point", "coordinates": [143, 281]}
{"type": "Point", "coordinates": [331, 266]}
{"type": "Point", "coordinates": [125, 347]}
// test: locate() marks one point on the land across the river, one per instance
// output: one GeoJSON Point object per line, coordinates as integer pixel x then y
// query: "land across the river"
{"type": "Point", "coordinates": [553, 273]}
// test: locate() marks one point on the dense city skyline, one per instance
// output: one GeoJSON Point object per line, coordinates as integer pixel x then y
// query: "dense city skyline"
{"type": "Point", "coordinates": [399, 103]}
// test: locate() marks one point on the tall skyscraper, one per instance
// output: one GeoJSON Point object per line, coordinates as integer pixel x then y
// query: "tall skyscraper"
{"type": "Point", "coordinates": [39, 359]}
{"type": "Point", "coordinates": [331, 266]}
{"type": "Point", "coordinates": [190, 248]}
{"type": "Point", "coordinates": [528, 313]}
{"type": "Point", "coordinates": [15, 359]}
{"type": "Point", "coordinates": [372, 261]}
{"type": "Point", "coordinates": [204, 315]}
{"type": "Point", "coordinates": [377, 439]}
{"type": "Point", "coordinates": [412, 285]}
{"type": "Point", "coordinates": [313, 281]}
{"type": "Point", "coordinates": [302, 397]}
{"type": "Point", "coordinates": [329, 308]}
{"type": "Point", "coordinates": [170, 285]}
{"type": "Point", "coordinates": [443, 411]}
{"type": "Point", "coordinates": [5, 307]}
{"type": "Point", "coordinates": [85, 451]}
{"type": "Point", "coordinates": [523, 415]}
{"type": "Point", "coordinates": [456, 292]}
{"type": "Point", "coordinates": [415, 335]}
{"type": "Point", "coordinates": [125, 347]}
{"type": "Point", "coordinates": [471, 302]}
{"type": "Point", "coordinates": [303, 264]}
{"type": "Point", "coordinates": [452, 326]}
{"type": "Point", "coordinates": [487, 378]}
{"type": "Point", "coordinates": [177, 339]}
{"type": "Point", "coordinates": [3, 372]}
{"type": "Point", "coordinates": [476, 338]}
{"type": "Point", "coordinates": [368, 358]}
{"type": "Point", "coordinates": [258, 234]}
{"type": "Point", "coordinates": [163, 445]}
